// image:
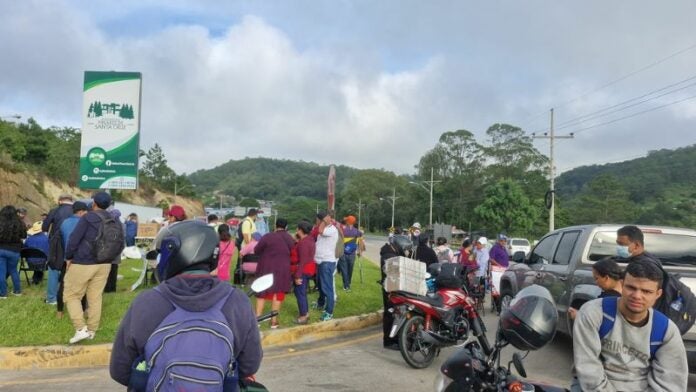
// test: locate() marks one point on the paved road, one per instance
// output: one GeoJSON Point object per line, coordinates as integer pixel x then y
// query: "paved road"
{"type": "Point", "coordinates": [354, 362]}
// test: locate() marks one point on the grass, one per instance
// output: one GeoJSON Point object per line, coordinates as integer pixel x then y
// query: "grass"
{"type": "Point", "coordinates": [28, 321]}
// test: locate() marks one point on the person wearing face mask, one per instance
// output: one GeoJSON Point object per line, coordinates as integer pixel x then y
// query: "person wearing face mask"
{"type": "Point", "coordinates": [630, 245]}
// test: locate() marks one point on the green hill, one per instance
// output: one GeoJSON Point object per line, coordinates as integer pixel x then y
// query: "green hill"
{"type": "Point", "coordinates": [270, 179]}
{"type": "Point", "coordinates": [657, 189]}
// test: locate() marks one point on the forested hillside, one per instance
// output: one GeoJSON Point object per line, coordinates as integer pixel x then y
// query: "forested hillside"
{"type": "Point", "coordinates": [657, 189]}
{"type": "Point", "coordinates": [270, 179]}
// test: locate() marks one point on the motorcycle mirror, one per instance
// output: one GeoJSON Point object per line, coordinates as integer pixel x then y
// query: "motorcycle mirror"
{"type": "Point", "coordinates": [151, 255]}
{"type": "Point", "coordinates": [519, 367]}
{"type": "Point", "coordinates": [262, 283]}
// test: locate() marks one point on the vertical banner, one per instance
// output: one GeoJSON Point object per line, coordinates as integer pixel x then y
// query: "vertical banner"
{"type": "Point", "coordinates": [331, 192]}
{"type": "Point", "coordinates": [110, 130]}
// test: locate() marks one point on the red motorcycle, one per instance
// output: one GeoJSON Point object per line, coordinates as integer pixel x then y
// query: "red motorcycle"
{"type": "Point", "coordinates": [426, 323]}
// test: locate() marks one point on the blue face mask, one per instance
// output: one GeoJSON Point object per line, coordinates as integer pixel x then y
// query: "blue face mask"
{"type": "Point", "coordinates": [622, 251]}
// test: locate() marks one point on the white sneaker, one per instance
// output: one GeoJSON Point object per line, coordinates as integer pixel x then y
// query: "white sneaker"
{"type": "Point", "coordinates": [81, 334]}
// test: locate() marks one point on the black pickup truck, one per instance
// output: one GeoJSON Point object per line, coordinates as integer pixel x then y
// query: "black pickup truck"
{"type": "Point", "coordinates": [562, 262]}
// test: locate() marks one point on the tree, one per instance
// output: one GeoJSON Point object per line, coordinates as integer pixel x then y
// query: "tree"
{"type": "Point", "coordinates": [155, 167]}
{"type": "Point", "coordinates": [604, 201]}
{"type": "Point", "coordinates": [506, 208]}
{"type": "Point", "coordinates": [249, 202]}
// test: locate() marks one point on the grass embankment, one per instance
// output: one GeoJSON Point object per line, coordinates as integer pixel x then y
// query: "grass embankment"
{"type": "Point", "coordinates": [28, 321]}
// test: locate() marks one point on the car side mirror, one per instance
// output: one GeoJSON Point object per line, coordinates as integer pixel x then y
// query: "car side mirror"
{"type": "Point", "coordinates": [518, 257]}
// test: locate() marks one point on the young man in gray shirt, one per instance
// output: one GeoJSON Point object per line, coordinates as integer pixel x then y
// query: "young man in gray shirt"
{"type": "Point", "coordinates": [622, 360]}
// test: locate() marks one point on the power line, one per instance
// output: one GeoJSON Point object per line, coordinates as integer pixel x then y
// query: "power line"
{"type": "Point", "coordinates": [634, 114]}
{"type": "Point", "coordinates": [617, 80]}
{"type": "Point", "coordinates": [596, 114]}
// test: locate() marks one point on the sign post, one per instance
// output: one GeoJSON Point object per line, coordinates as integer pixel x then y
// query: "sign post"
{"type": "Point", "coordinates": [110, 130]}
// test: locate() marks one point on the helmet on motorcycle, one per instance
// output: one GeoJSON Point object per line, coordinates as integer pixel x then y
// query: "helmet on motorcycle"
{"type": "Point", "coordinates": [434, 269]}
{"type": "Point", "coordinates": [530, 320]}
{"type": "Point", "coordinates": [187, 245]}
{"type": "Point", "coordinates": [401, 243]}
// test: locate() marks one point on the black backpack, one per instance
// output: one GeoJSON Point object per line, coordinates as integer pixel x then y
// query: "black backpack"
{"type": "Point", "coordinates": [677, 302]}
{"type": "Point", "coordinates": [110, 239]}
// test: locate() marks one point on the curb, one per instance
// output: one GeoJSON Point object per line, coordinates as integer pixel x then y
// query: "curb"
{"type": "Point", "coordinates": [61, 357]}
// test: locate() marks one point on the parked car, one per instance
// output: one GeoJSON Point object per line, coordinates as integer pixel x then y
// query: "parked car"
{"type": "Point", "coordinates": [562, 262]}
{"type": "Point", "coordinates": [518, 245]}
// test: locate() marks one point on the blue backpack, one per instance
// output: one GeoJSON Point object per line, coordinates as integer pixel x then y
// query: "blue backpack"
{"type": "Point", "coordinates": [658, 330]}
{"type": "Point", "coordinates": [191, 351]}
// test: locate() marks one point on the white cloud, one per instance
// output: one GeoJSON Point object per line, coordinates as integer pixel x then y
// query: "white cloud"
{"type": "Point", "coordinates": [362, 85]}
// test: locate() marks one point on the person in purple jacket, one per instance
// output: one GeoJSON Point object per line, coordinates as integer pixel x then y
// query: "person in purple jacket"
{"type": "Point", "coordinates": [187, 259]}
{"type": "Point", "coordinates": [498, 253]}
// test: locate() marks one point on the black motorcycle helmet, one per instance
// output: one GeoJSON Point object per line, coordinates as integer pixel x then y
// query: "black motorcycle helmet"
{"type": "Point", "coordinates": [530, 320]}
{"type": "Point", "coordinates": [401, 243]}
{"type": "Point", "coordinates": [188, 245]}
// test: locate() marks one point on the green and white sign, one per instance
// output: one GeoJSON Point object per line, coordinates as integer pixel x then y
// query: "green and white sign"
{"type": "Point", "coordinates": [110, 130]}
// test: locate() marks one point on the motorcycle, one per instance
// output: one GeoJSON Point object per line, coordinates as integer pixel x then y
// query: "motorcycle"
{"type": "Point", "coordinates": [425, 324]}
{"type": "Point", "coordinates": [476, 366]}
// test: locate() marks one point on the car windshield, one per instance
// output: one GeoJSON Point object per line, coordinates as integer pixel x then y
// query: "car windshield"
{"type": "Point", "coordinates": [520, 243]}
{"type": "Point", "coordinates": [671, 249]}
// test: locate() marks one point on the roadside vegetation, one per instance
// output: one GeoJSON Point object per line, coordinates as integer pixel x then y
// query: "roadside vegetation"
{"type": "Point", "coordinates": [28, 321]}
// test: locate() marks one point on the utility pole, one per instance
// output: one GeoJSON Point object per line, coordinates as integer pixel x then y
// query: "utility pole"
{"type": "Point", "coordinates": [360, 204]}
{"type": "Point", "coordinates": [392, 200]}
{"type": "Point", "coordinates": [221, 203]}
{"type": "Point", "coordinates": [552, 169]}
{"type": "Point", "coordinates": [431, 182]}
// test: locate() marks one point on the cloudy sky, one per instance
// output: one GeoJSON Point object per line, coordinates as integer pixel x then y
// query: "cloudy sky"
{"type": "Point", "coordinates": [370, 84]}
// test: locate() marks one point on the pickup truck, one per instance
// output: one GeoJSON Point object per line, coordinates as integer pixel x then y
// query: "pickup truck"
{"type": "Point", "coordinates": [562, 262]}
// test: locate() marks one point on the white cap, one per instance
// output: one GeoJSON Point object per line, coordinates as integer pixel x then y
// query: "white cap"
{"type": "Point", "coordinates": [482, 240]}
{"type": "Point", "coordinates": [416, 225]}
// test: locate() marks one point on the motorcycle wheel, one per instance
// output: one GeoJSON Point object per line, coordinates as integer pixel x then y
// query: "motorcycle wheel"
{"type": "Point", "coordinates": [417, 353]}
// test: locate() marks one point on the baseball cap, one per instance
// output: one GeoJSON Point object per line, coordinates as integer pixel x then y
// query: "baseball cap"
{"type": "Point", "coordinates": [502, 237]}
{"type": "Point", "coordinates": [35, 228]}
{"type": "Point", "coordinates": [416, 225]}
{"type": "Point", "coordinates": [79, 206]}
{"type": "Point", "coordinates": [102, 200]}
{"type": "Point", "coordinates": [350, 220]}
{"type": "Point", "coordinates": [482, 240]}
{"type": "Point", "coordinates": [177, 212]}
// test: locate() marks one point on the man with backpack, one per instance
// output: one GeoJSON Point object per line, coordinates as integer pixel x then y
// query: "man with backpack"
{"type": "Point", "coordinates": [193, 330]}
{"type": "Point", "coordinates": [677, 301]}
{"type": "Point", "coordinates": [623, 344]}
{"type": "Point", "coordinates": [94, 243]}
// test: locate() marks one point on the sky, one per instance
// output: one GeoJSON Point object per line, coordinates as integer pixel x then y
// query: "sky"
{"type": "Point", "coordinates": [368, 84]}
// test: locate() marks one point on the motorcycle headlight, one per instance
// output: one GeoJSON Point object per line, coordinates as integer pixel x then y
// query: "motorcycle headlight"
{"type": "Point", "coordinates": [442, 382]}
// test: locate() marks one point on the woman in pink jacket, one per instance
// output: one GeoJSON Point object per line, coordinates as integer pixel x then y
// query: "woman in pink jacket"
{"type": "Point", "coordinates": [225, 253]}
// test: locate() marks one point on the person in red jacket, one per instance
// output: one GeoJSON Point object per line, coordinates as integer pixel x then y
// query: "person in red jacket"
{"type": "Point", "coordinates": [304, 269]}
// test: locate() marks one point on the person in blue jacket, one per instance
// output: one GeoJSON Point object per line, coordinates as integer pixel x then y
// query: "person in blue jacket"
{"type": "Point", "coordinates": [37, 239]}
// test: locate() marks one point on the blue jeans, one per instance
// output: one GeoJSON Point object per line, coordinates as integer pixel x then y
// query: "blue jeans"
{"type": "Point", "coordinates": [345, 267]}
{"type": "Point", "coordinates": [52, 288]}
{"type": "Point", "coordinates": [301, 296]}
{"type": "Point", "coordinates": [8, 263]}
{"type": "Point", "coordinates": [325, 270]}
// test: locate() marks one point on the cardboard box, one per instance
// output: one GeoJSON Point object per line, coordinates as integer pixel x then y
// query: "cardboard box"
{"type": "Point", "coordinates": [147, 230]}
{"type": "Point", "coordinates": [404, 274]}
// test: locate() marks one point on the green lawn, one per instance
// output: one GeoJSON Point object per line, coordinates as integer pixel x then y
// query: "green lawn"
{"type": "Point", "coordinates": [28, 321]}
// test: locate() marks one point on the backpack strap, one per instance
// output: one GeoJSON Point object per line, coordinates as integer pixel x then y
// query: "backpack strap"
{"type": "Point", "coordinates": [660, 323]}
{"type": "Point", "coordinates": [609, 305]}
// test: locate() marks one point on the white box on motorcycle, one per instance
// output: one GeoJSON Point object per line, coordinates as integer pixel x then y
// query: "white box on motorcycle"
{"type": "Point", "coordinates": [404, 274]}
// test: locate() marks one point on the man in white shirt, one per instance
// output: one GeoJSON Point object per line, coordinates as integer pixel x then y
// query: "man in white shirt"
{"type": "Point", "coordinates": [482, 256]}
{"type": "Point", "coordinates": [325, 256]}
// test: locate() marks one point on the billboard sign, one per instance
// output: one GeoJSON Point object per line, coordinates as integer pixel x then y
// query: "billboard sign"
{"type": "Point", "coordinates": [110, 130]}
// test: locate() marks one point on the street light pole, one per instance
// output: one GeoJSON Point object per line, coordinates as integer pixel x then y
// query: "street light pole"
{"type": "Point", "coordinates": [430, 191]}
{"type": "Point", "coordinates": [392, 200]}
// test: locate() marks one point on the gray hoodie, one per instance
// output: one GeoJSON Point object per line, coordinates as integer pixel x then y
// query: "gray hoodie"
{"type": "Point", "coordinates": [621, 361]}
{"type": "Point", "coordinates": [193, 293]}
